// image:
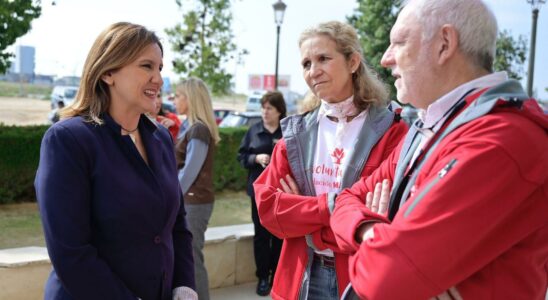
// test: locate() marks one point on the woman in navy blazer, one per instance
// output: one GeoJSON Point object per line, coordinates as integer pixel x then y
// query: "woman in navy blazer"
{"type": "Point", "coordinates": [107, 185]}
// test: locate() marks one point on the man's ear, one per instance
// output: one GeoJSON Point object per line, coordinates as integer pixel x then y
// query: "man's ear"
{"type": "Point", "coordinates": [107, 78]}
{"type": "Point", "coordinates": [448, 43]}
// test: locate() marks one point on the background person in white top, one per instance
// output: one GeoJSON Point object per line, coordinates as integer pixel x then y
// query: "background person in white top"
{"type": "Point", "coordinates": [324, 150]}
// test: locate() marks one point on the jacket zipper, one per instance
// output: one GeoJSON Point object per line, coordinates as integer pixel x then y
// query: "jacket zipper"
{"type": "Point", "coordinates": [430, 185]}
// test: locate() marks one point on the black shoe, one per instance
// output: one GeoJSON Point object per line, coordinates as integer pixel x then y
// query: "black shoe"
{"type": "Point", "coordinates": [263, 288]}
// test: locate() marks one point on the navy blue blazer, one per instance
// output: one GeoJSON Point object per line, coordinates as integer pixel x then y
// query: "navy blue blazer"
{"type": "Point", "coordinates": [115, 227]}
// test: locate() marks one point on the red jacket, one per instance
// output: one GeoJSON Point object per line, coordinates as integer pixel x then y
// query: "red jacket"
{"type": "Point", "coordinates": [291, 217]}
{"type": "Point", "coordinates": [476, 219]}
{"type": "Point", "coordinates": [173, 130]}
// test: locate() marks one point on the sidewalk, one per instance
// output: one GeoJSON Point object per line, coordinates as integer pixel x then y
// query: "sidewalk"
{"type": "Point", "coordinates": [237, 292]}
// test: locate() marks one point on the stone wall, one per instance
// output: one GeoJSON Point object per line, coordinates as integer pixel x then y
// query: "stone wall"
{"type": "Point", "coordinates": [228, 254]}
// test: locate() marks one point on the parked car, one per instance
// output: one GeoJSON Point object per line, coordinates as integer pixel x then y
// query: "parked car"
{"type": "Point", "coordinates": [238, 119]}
{"type": "Point", "coordinates": [253, 102]}
{"type": "Point", "coordinates": [220, 114]}
{"type": "Point", "coordinates": [65, 94]}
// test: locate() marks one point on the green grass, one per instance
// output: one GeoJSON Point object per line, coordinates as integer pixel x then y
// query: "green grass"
{"type": "Point", "coordinates": [15, 89]}
{"type": "Point", "coordinates": [20, 223]}
{"type": "Point", "coordinates": [231, 208]}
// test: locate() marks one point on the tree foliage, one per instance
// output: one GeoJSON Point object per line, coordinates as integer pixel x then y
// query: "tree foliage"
{"type": "Point", "coordinates": [511, 54]}
{"type": "Point", "coordinates": [203, 42]}
{"type": "Point", "coordinates": [373, 20]}
{"type": "Point", "coordinates": [15, 19]}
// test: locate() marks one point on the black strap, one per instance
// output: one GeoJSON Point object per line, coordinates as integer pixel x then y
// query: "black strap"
{"type": "Point", "coordinates": [398, 195]}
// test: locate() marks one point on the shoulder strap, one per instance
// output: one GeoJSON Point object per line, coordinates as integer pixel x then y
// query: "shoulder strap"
{"type": "Point", "coordinates": [477, 105]}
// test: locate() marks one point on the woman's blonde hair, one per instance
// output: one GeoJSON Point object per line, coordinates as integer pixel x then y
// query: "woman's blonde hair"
{"type": "Point", "coordinates": [310, 102]}
{"type": "Point", "coordinates": [200, 108]}
{"type": "Point", "coordinates": [117, 46]}
{"type": "Point", "coordinates": [368, 88]}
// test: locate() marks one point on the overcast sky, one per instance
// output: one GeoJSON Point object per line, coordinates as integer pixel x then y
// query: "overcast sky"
{"type": "Point", "coordinates": [64, 33]}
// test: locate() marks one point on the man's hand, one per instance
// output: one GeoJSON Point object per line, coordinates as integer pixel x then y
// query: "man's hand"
{"type": "Point", "coordinates": [376, 202]}
{"type": "Point", "coordinates": [289, 185]}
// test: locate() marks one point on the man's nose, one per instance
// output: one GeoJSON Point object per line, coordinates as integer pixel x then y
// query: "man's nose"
{"type": "Point", "coordinates": [387, 59]}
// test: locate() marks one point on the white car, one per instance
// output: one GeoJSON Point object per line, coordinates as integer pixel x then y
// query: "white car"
{"type": "Point", "coordinates": [64, 94]}
{"type": "Point", "coordinates": [253, 102]}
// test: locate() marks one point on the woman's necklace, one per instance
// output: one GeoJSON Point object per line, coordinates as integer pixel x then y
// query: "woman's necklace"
{"type": "Point", "coordinates": [130, 131]}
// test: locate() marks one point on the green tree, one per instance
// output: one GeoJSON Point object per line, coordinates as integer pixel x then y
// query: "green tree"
{"type": "Point", "coordinates": [511, 54]}
{"type": "Point", "coordinates": [373, 20]}
{"type": "Point", "coordinates": [203, 42]}
{"type": "Point", "coordinates": [15, 19]}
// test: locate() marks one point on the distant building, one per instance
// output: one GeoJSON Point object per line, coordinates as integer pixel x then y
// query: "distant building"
{"type": "Point", "coordinates": [166, 88]}
{"type": "Point", "coordinates": [43, 79]}
{"type": "Point", "coordinates": [23, 63]}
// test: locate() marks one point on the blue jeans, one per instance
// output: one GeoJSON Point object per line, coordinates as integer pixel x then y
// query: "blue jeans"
{"type": "Point", "coordinates": [323, 283]}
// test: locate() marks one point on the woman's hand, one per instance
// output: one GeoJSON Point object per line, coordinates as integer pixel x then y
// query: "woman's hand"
{"type": "Point", "coordinates": [184, 293]}
{"type": "Point", "coordinates": [289, 185]}
{"type": "Point", "coordinates": [262, 159]}
{"type": "Point", "coordinates": [166, 122]}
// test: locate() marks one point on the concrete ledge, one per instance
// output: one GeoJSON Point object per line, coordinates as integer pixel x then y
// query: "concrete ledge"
{"type": "Point", "coordinates": [17, 257]}
{"type": "Point", "coordinates": [228, 255]}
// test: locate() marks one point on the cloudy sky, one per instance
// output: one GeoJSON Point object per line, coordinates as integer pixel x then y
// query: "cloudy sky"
{"type": "Point", "coordinates": [64, 33]}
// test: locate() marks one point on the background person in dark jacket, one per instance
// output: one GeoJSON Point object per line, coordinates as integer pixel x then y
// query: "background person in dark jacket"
{"type": "Point", "coordinates": [254, 155]}
{"type": "Point", "coordinates": [107, 187]}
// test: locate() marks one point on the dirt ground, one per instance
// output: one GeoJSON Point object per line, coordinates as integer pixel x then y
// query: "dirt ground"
{"type": "Point", "coordinates": [25, 111]}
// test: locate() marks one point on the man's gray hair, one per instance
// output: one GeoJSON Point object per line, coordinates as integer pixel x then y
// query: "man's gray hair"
{"type": "Point", "coordinates": [475, 22]}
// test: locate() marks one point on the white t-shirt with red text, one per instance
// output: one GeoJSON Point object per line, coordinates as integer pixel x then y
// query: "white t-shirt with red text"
{"type": "Point", "coordinates": [332, 157]}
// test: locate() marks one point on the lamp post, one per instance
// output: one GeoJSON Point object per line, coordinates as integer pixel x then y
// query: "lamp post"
{"type": "Point", "coordinates": [279, 10]}
{"type": "Point", "coordinates": [535, 4]}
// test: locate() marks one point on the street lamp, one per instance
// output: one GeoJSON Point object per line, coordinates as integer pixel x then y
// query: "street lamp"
{"type": "Point", "coordinates": [279, 10]}
{"type": "Point", "coordinates": [535, 4]}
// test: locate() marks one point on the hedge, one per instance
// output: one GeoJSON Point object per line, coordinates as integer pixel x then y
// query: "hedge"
{"type": "Point", "coordinates": [20, 152]}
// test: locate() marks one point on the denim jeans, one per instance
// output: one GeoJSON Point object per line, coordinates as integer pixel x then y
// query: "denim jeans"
{"type": "Point", "coordinates": [323, 283]}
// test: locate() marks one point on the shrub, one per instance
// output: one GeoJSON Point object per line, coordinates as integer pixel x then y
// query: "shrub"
{"type": "Point", "coordinates": [20, 153]}
{"type": "Point", "coordinates": [227, 171]}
